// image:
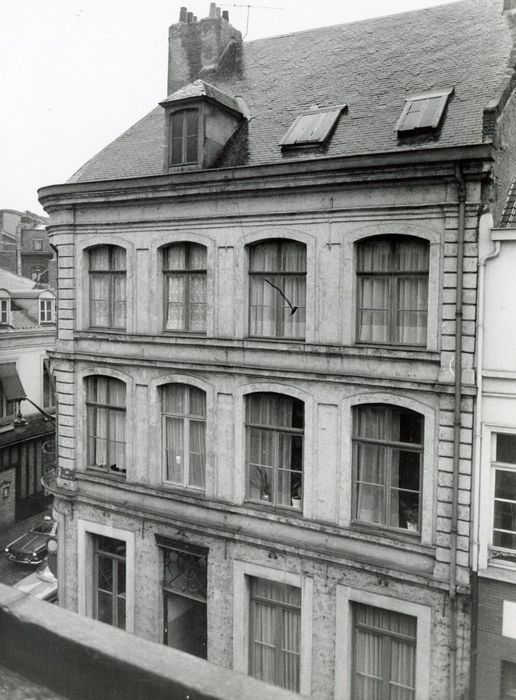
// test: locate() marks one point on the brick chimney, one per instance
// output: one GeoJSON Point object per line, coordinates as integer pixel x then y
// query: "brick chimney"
{"type": "Point", "coordinates": [199, 48]}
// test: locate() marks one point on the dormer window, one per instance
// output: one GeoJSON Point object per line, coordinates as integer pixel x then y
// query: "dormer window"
{"type": "Point", "coordinates": [200, 121]}
{"type": "Point", "coordinates": [312, 128]}
{"type": "Point", "coordinates": [5, 308]}
{"type": "Point", "coordinates": [184, 137]}
{"type": "Point", "coordinates": [422, 112]}
{"type": "Point", "coordinates": [46, 308]}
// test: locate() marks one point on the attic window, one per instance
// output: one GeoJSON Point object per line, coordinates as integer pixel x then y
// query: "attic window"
{"type": "Point", "coordinates": [312, 128]}
{"type": "Point", "coordinates": [184, 137]}
{"type": "Point", "coordinates": [4, 311]}
{"type": "Point", "coordinates": [422, 112]}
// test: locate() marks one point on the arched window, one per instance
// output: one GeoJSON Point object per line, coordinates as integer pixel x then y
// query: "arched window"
{"type": "Point", "coordinates": [184, 435]}
{"type": "Point", "coordinates": [392, 294]}
{"type": "Point", "coordinates": [387, 465]}
{"type": "Point", "coordinates": [275, 429]}
{"type": "Point", "coordinates": [105, 416]}
{"type": "Point", "coordinates": [107, 277]}
{"type": "Point", "coordinates": [184, 276]}
{"type": "Point", "coordinates": [277, 289]}
{"type": "Point", "coordinates": [184, 139]}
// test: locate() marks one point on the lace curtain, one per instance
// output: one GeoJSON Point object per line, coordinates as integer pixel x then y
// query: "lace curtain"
{"type": "Point", "coordinates": [185, 287]}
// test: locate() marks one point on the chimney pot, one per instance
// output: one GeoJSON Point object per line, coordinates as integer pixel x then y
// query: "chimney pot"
{"type": "Point", "coordinates": [225, 15]}
{"type": "Point", "coordinates": [213, 10]}
{"type": "Point", "coordinates": [189, 17]}
{"type": "Point", "coordinates": [217, 10]}
{"type": "Point", "coordinates": [182, 14]}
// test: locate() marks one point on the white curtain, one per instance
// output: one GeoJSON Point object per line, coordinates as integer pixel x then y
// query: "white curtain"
{"type": "Point", "coordinates": [184, 427]}
{"type": "Point", "coordinates": [275, 634]}
{"type": "Point", "coordinates": [380, 658]}
{"type": "Point", "coordinates": [393, 302]}
{"type": "Point", "coordinates": [270, 314]}
{"type": "Point", "coordinates": [185, 291]}
{"type": "Point", "coordinates": [106, 424]}
{"type": "Point", "coordinates": [107, 286]}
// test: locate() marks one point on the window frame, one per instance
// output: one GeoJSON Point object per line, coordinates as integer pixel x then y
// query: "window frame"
{"type": "Point", "coordinates": [46, 310]}
{"type": "Point", "coordinates": [506, 555]}
{"type": "Point", "coordinates": [86, 530]}
{"type": "Point", "coordinates": [39, 247]}
{"type": "Point", "coordinates": [110, 408]}
{"type": "Point", "coordinates": [187, 273]}
{"type": "Point", "coordinates": [389, 446]}
{"type": "Point", "coordinates": [116, 561]}
{"type": "Point", "coordinates": [5, 311]}
{"type": "Point", "coordinates": [184, 163]}
{"type": "Point", "coordinates": [192, 551]}
{"type": "Point", "coordinates": [442, 95]}
{"type": "Point", "coordinates": [242, 571]}
{"type": "Point", "coordinates": [393, 278]}
{"type": "Point", "coordinates": [276, 432]}
{"type": "Point", "coordinates": [344, 633]}
{"type": "Point", "coordinates": [278, 607]}
{"type": "Point", "coordinates": [110, 274]}
{"type": "Point", "coordinates": [186, 419]}
{"type": "Point", "coordinates": [278, 277]}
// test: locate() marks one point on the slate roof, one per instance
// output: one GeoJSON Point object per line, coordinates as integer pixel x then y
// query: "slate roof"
{"type": "Point", "coordinates": [15, 283]}
{"type": "Point", "coordinates": [200, 88]}
{"type": "Point", "coordinates": [371, 66]}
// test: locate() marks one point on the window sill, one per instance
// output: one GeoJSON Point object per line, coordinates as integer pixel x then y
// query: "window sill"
{"type": "Point", "coordinates": [399, 534]}
{"type": "Point", "coordinates": [185, 490]}
{"type": "Point", "coordinates": [108, 474]}
{"type": "Point", "coordinates": [271, 508]}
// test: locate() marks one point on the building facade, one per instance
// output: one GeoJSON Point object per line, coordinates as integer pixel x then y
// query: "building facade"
{"type": "Point", "coordinates": [495, 463]}
{"type": "Point", "coordinates": [27, 332]}
{"type": "Point", "coordinates": [265, 353]}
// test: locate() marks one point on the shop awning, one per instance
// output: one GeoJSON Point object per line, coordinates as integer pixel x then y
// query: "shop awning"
{"type": "Point", "coordinates": [10, 381]}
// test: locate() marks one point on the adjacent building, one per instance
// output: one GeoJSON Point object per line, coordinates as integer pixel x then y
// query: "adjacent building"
{"type": "Point", "coordinates": [25, 248]}
{"type": "Point", "coordinates": [265, 359]}
{"type": "Point", "coordinates": [27, 332]}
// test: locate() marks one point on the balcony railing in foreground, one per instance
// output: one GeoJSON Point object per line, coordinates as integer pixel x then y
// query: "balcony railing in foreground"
{"type": "Point", "coordinates": [82, 659]}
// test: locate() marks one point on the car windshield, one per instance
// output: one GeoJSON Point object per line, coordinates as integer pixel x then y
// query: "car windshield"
{"type": "Point", "coordinates": [43, 528]}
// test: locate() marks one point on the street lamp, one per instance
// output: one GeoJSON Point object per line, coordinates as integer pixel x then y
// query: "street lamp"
{"type": "Point", "coordinates": [19, 423]}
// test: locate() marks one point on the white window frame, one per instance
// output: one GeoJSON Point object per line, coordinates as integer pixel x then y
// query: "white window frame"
{"type": "Point", "coordinates": [346, 596]}
{"type": "Point", "coordinates": [46, 310]}
{"type": "Point", "coordinates": [487, 485]}
{"type": "Point", "coordinates": [186, 274]}
{"type": "Point", "coordinates": [86, 530]}
{"type": "Point", "coordinates": [242, 572]}
{"type": "Point", "coordinates": [5, 311]}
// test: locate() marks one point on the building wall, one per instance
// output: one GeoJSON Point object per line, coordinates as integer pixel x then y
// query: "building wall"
{"type": "Point", "coordinates": [328, 371]}
{"type": "Point", "coordinates": [7, 503]}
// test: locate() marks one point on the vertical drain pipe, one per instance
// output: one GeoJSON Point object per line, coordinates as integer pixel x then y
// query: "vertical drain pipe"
{"type": "Point", "coordinates": [461, 196]}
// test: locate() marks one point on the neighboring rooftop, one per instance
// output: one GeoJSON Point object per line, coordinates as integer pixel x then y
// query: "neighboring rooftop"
{"type": "Point", "coordinates": [372, 66]}
{"type": "Point", "coordinates": [508, 219]}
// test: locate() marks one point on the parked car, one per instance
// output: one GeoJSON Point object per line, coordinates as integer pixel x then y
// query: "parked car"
{"type": "Point", "coordinates": [41, 584]}
{"type": "Point", "coordinates": [31, 548]}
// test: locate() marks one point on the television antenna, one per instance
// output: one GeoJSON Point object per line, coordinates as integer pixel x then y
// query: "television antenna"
{"type": "Point", "coordinates": [256, 7]}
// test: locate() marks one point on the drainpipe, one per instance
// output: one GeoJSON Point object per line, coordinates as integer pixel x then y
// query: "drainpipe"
{"type": "Point", "coordinates": [461, 196]}
{"type": "Point", "coordinates": [477, 446]}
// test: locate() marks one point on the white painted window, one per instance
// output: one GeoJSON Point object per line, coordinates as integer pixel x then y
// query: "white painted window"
{"type": "Point", "coordinates": [504, 497]}
{"type": "Point", "coordinates": [184, 435]}
{"type": "Point", "coordinates": [5, 308]}
{"type": "Point", "coordinates": [392, 291]}
{"type": "Point", "coordinates": [184, 137]}
{"type": "Point", "coordinates": [274, 432]}
{"type": "Point", "coordinates": [46, 310]}
{"type": "Point", "coordinates": [277, 289]}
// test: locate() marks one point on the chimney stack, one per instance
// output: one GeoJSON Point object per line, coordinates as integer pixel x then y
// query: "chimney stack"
{"type": "Point", "coordinates": [198, 48]}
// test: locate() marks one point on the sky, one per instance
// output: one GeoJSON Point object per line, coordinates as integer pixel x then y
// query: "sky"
{"type": "Point", "coordinates": [76, 74]}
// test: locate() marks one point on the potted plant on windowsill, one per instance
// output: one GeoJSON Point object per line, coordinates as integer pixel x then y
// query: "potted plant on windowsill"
{"type": "Point", "coordinates": [296, 495]}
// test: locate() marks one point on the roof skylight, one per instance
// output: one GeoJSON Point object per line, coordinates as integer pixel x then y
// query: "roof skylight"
{"type": "Point", "coordinates": [423, 111]}
{"type": "Point", "coordinates": [311, 128]}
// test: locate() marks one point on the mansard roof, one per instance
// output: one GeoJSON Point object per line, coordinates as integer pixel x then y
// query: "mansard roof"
{"type": "Point", "coordinates": [372, 66]}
